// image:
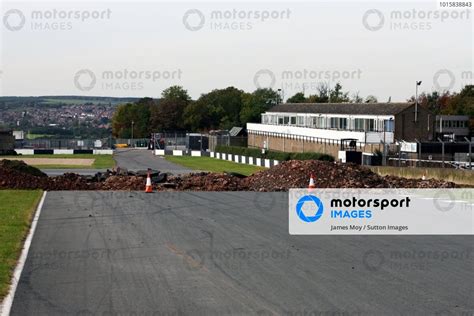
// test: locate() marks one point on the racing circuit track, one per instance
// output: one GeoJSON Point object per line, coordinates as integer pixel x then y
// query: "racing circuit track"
{"type": "Point", "coordinates": [208, 253]}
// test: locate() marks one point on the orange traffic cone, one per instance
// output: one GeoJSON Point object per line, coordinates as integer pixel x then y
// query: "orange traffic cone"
{"type": "Point", "coordinates": [311, 182]}
{"type": "Point", "coordinates": [148, 187]}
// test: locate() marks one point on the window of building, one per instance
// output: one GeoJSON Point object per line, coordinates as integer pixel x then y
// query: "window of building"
{"type": "Point", "coordinates": [389, 125]}
{"type": "Point", "coordinates": [280, 120]}
{"type": "Point", "coordinates": [342, 123]}
{"type": "Point", "coordinates": [333, 123]}
{"type": "Point", "coordinates": [321, 121]}
{"type": "Point", "coordinates": [286, 120]}
{"type": "Point", "coordinates": [300, 120]}
{"type": "Point", "coordinates": [293, 120]}
{"type": "Point", "coordinates": [359, 124]}
{"type": "Point", "coordinates": [317, 122]}
{"type": "Point", "coordinates": [370, 125]}
{"type": "Point", "coordinates": [273, 119]}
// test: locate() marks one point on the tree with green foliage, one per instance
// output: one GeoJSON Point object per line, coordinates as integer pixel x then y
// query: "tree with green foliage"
{"type": "Point", "coordinates": [461, 103]}
{"type": "Point", "coordinates": [218, 109]}
{"type": "Point", "coordinates": [322, 96]}
{"type": "Point", "coordinates": [337, 95]}
{"type": "Point", "coordinates": [138, 113]}
{"type": "Point", "coordinates": [356, 98]}
{"type": "Point", "coordinates": [168, 114]}
{"type": "Point", "coordinates": [297, 98]}
{"type": "Point", "coordinates": [254, 104]}
{"type": "Point", "coordinates": [370, 99]}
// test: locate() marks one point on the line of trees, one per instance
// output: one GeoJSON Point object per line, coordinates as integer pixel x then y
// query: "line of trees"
{"type": "Point", "coordinates": [225, 108]}
{"type": "Point", "coordinates": [218, 109]}
{"type": "Point", "coordinates": [449, 103]}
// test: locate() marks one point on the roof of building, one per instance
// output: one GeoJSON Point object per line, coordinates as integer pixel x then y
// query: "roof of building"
{"type": "Point", "coordinates": [235, 131]}
{"type": "Point", "coordinates": [342, 108]}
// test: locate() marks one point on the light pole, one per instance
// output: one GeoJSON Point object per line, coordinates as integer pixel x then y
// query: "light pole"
{"type": "Point", "coordinates": [418, 83]}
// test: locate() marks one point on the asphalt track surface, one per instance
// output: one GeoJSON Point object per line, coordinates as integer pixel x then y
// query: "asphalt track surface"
{"type": "Point", "coordinates": [133, 160]}
{"type": "Point", "coordinates": [140, 159]}
{"type": "Point", "coordinates": [209, 253]}
{"type": "Point", "coordinates": [84, 172]}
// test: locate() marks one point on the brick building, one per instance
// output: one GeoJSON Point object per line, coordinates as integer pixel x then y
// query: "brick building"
{"type": "Point", "coordinates": [320, 127]}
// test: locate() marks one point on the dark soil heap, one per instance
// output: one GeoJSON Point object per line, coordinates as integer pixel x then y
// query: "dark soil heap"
{"type": "Point", "coordinates": [287, 175]}
{"type": "Point", "coordinates": [296, 174]}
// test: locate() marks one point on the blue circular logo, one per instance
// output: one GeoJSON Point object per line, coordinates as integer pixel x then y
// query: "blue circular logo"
{"type": "Point", "coordinates": [310, 199]}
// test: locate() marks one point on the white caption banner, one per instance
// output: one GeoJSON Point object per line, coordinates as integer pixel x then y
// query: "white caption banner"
{"type": "Point", "coordinates": [381, 211]}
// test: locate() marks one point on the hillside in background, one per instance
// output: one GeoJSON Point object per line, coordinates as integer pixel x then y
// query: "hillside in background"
{"type": "Point", "coordinates": [60, 116]}
{"type": "Point", "coordinates": [13, 102]}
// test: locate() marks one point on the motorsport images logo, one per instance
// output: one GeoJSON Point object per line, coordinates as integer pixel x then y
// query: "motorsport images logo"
{"type": "Point", "coordinates": [314, 208]}
{"type": "Point", "coordinates": [390, 211]}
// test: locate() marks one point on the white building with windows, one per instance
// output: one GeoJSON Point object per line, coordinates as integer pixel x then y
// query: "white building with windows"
{"type": "Point", "coordinates": [368, 123]}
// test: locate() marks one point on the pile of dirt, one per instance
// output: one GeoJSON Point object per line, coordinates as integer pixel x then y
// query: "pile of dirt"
{"type": "Point", "coordinates": [287, 175]}
{"type": "Point", "coordinates": [397, 182]}
{"type": "Point", "coordinates": [122, 183]}
{"type": "Point", "coordinates": [206, 182]}
{"type": "Point", "coordinates": [296, 173]}
{"type": "Point", "coordinates": [69, 181]}
{"type": "Point", "coordinates": [20, 166]}
{"type": "Point", "coordinates": [17, 178]}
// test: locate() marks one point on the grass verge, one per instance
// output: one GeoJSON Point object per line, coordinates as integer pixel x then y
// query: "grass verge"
{"type": "Point", "coordinates": [16, 211]}
{"type": "Point", "coordinates": [213, 165]}
{"type": "Point", "coordinates": [100, 161]}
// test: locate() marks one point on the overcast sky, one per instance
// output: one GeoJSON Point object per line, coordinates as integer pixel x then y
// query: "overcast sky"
{"type": "Point", "coordinates": [139, 49]}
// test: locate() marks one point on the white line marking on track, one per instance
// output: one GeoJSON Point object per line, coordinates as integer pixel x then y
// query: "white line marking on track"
{"type": "Point", "coordinates": [7, 303]}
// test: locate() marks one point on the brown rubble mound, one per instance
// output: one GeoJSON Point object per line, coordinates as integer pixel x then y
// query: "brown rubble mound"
{"type": "Point", "coordinates": [287, 175]}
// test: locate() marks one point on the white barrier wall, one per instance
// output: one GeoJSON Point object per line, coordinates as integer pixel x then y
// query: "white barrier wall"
{"type": "Point", "coordinates": [100, 151]}
{"type": "Point", "coordinates": [267, 163]}
{"type": "Point", "coordinates": [223, 156]}
{"type": "Point", "coordinates": [63, 151]}
{"type": "Point", "coordinates": [25, 151]}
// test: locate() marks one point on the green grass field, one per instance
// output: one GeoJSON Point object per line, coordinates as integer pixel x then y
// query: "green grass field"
{"type": "Point", "coordinates": [213, 165]}
{"type": "Point", "coordinates": [16, 211]}
{"type": "Point", "coordinates": [100, 161]}
{"type": "Point", "coordinates": [35, 136]}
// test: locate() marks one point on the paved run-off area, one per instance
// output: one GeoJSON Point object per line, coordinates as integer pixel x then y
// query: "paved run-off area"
{"type": "Point", "coordinates": [201, 253]}
{"type": "Point", "coordinates": [139, 159]}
